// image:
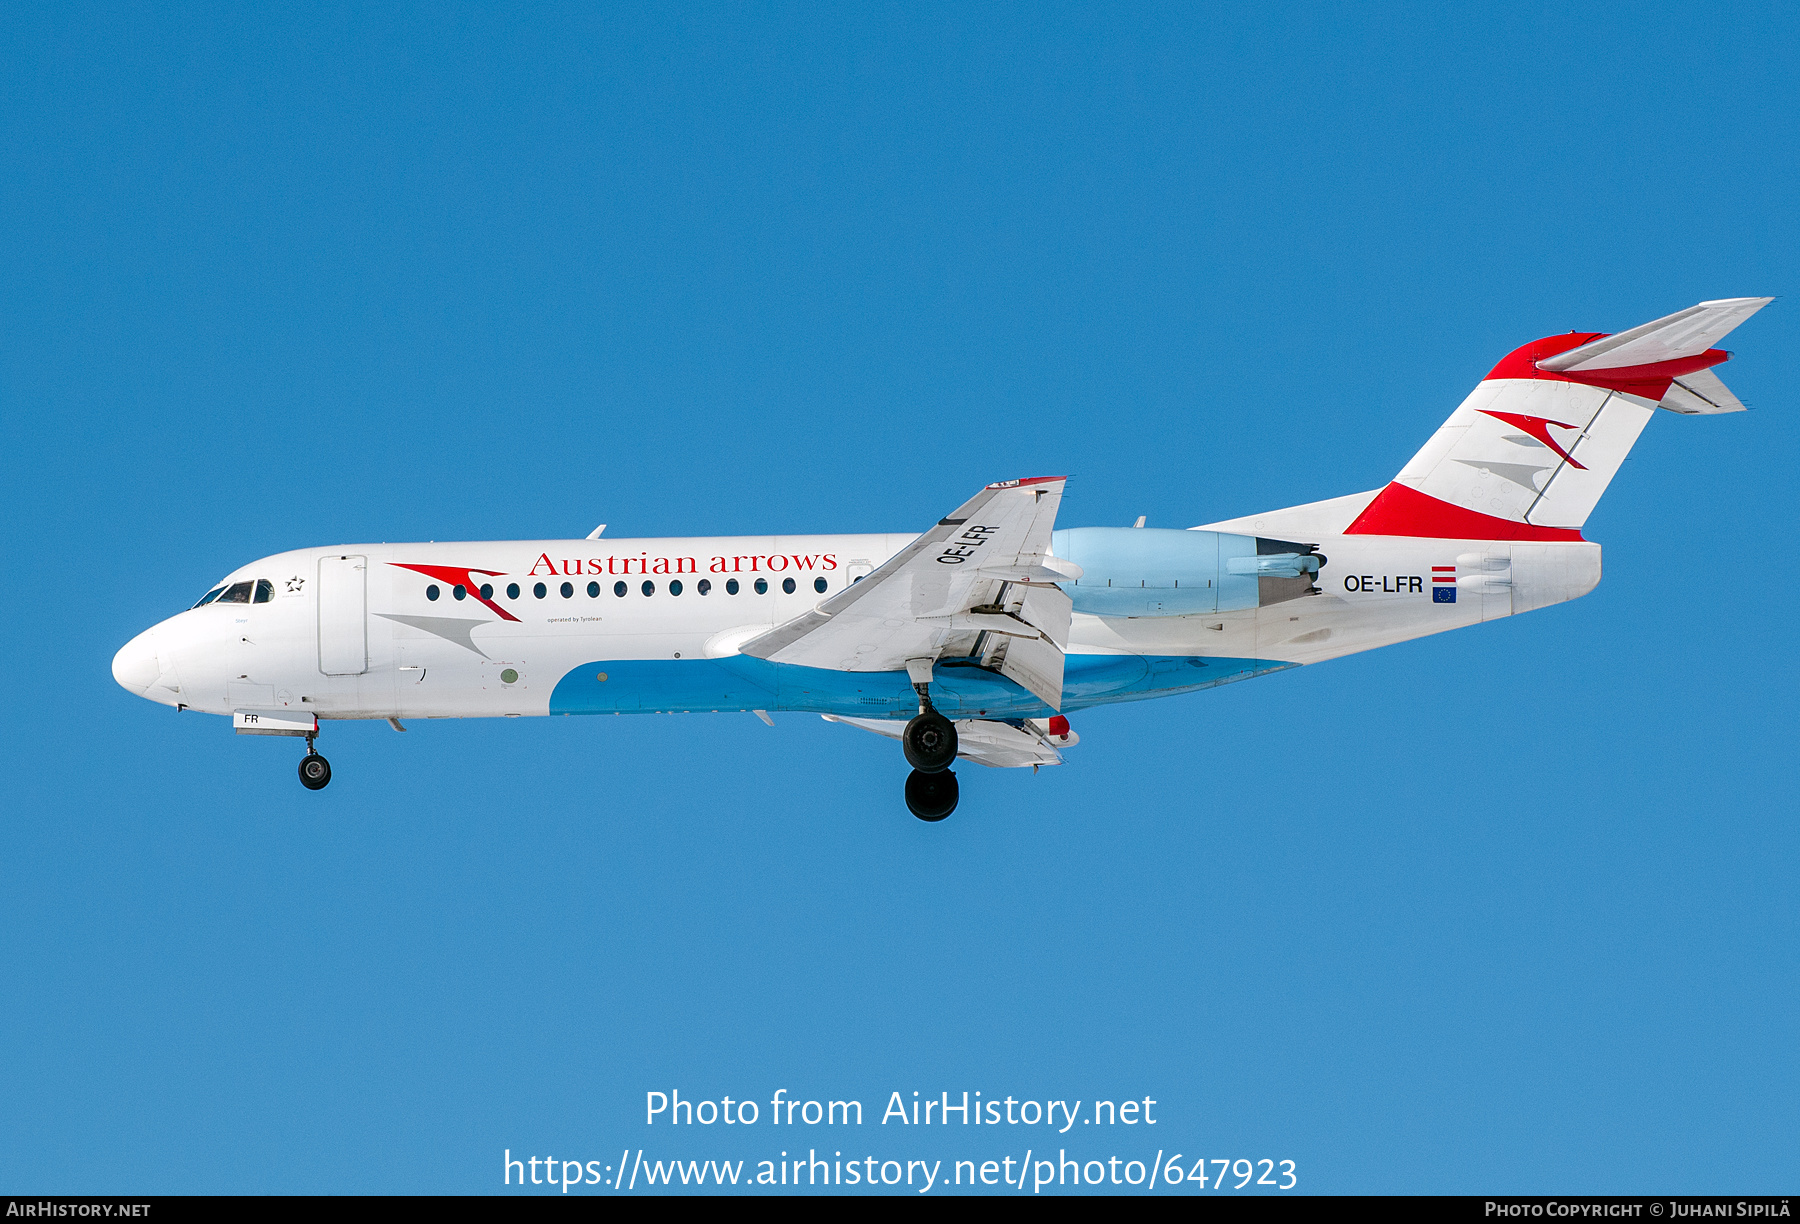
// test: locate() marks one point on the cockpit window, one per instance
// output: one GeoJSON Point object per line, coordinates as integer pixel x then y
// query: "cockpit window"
{"type": "Point", "coordinates": [210, 596]}
{"type": "Point", "coordinates": [265, 591]}
{"type": "Point", "coordinates": [237, 592]}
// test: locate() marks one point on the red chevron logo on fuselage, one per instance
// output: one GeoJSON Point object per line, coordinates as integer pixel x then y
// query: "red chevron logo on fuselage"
{"type": "Point", "coordinates": [463, 578]}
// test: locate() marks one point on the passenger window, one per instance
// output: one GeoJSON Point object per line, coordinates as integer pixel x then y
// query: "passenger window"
{"type": "Point", "coordinates": [460, 591]}
{"type": "Point", "coordinates": [704, 586]}
{"type": "Point", "coordinates": [819, 585]}
{"type": "Point", "coordinates": [512, 590]}
{"type": "Point", "coordinates": [237, 592]}
{"type": "Point", "coordinates": [731, 586]}
{"type": "Point", "coordinates": [762, 586]}
{"type": "Point", "coordinates": [487, 590]}
{"type": "Point", "coordinates": [675, 587]}
{"type": "Point", "coordinates": [568, 590]}
{"type": "Point", "coordinates": [209, 597]}
{"type": "Point", "coordinates": [787, 585]}
{"type": "Point", "coordinates": [265, 591]}
{"type": "Point", "coordinates": [593, 590]}
{"type": "Point", "coordinates": [649, 588]}
{"type": "Point", "coordinates": [539, 590]}
{"type": "Point", "coordinates": [431, 592]}
{"type": "Point", "coordinates": [619, 589]}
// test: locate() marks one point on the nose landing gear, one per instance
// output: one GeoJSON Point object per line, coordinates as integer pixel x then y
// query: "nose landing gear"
{"type": "Point", "coordinates": [315, 770]}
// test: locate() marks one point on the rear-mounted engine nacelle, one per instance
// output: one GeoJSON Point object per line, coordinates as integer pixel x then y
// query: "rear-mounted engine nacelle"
{"type": "Point", "coordinates": [1137, 571]}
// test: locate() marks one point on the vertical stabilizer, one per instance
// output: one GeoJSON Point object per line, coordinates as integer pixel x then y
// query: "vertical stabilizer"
{"type": "Point", "coordinates": [1528, 454]}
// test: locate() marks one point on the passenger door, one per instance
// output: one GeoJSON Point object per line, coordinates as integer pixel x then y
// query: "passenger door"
{"type": "Point", "coordinates": [343, 616]}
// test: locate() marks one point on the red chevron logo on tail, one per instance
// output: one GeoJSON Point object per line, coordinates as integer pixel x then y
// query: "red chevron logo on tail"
{"type": "Point", "coordinates": [1537, 427]}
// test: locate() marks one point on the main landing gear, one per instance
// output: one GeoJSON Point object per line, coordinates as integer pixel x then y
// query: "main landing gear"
{"type": "Point", "coordinates": [931, 796]}
{"type": "Point", "coordinates": [315, 770]}
{"type": "Point", "coordinates": [929, 743]}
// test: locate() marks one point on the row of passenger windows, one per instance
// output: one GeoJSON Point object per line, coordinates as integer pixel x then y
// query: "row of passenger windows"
{"type": "Point", "coordinates": [260, 591]}
{"type": "Point", "coordinates": [703, 587]}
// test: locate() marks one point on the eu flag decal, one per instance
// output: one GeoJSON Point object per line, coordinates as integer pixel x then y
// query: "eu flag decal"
{"type": "Point", "coordinates": [1443, 584]}
{"type": "Point", "coordinates": [1443, 594]}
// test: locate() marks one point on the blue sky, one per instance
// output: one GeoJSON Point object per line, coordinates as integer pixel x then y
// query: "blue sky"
{"type": "Point", "coordinates": [1511, 909]}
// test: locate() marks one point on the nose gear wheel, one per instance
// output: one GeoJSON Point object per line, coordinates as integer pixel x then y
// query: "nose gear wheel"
{"type": "Point", "coordinates": [315, 771]}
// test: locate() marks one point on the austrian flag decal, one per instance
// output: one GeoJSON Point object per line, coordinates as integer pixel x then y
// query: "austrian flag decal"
{"type": "Point", "coordinates": [1443, 584]}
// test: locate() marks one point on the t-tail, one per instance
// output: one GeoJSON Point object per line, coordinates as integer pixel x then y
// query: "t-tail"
{"type": "Point", "coordinates": [1528, 454]}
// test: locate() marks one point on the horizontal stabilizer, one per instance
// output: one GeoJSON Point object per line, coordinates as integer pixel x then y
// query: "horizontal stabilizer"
{"type": "Point", "coordinates": [1686, 333]}
{"type": "Point", "coordinates": [1700, 393]}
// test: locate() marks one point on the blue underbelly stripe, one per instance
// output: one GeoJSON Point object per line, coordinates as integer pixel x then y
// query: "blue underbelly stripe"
{"type": "Point", "coordinates": [742, 683]}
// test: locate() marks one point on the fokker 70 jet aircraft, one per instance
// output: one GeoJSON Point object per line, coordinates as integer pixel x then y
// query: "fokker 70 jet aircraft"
{"type": "Point", "coordinates": [976, 639]}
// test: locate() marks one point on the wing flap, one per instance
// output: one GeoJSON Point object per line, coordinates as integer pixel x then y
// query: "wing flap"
{"type": "Point", "coordinates": [1036, 665]}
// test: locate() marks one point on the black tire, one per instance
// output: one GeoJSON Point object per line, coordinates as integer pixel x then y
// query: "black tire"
{"type": "Point", "coordinates": [931, 796]}
{"type": "Point", "coordinates": [315, 771]}
{"type": "Point", "coordinates": [929, 742]}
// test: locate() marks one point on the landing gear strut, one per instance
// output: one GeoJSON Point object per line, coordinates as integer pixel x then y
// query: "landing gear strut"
{"type": "Point", "coordinates": [929, 740]}
{"type": "Point", "coordinates": [315, 770]}
{"type": "Point", "coordinates": [929, 743]}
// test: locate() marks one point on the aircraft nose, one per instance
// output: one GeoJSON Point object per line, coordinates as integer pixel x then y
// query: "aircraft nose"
{"type": "Point", "coordinates": [135, 666]}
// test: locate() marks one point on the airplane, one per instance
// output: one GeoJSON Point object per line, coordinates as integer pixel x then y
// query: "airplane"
{"type": "Point", "coordinates": [974, 640]}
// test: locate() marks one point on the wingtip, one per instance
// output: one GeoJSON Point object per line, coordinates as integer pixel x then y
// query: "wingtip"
{"type": "Point", "coordinates": [1739, 301]}
{"type": "Point", "coordinates": [1028, 480]}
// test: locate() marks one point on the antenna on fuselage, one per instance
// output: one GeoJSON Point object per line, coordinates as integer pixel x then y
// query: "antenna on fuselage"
{"type": "Point", "coordinates": [595, 533]}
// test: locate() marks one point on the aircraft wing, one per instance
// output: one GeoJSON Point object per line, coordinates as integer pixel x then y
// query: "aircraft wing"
{"type": "Point", "coordinates": [986, 741]}
{"type": "Point", "coordinates": [980, 585]}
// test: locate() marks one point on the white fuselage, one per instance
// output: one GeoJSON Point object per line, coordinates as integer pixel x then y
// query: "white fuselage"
{"type": "Point", "coordinates": [391, 650]}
